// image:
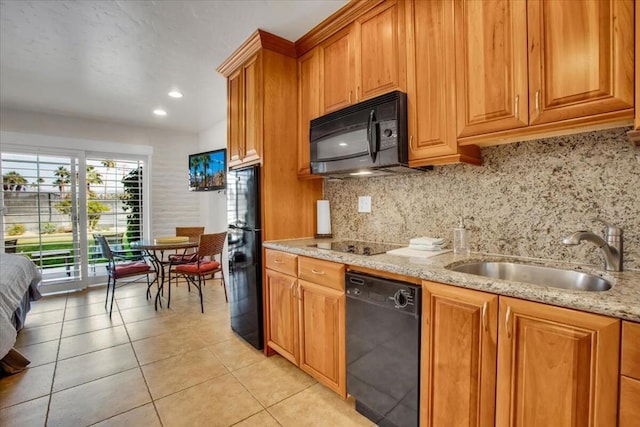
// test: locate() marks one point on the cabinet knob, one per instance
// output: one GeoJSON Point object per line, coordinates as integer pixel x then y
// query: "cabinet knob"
{"type": "Point", "coordinates": [516, 107]}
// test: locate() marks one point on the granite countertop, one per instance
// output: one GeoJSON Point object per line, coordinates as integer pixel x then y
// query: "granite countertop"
{"type": "Point", "coordinates": [621, 301]}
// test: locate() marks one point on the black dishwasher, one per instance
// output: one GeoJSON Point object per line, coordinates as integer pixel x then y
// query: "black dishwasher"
{"type": "Point", "coordinates": [383, 348]}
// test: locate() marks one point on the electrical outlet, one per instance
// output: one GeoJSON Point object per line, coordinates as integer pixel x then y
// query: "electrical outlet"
{"type": "Point", "coordinates": [364, 204]}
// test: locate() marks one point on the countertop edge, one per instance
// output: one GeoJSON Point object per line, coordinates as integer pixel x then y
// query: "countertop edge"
{"type": "Point", "coordinates": [622, 301]}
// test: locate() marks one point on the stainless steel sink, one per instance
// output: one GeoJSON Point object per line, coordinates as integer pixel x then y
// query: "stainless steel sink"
{"type": "Point", "coordinates": [535, 274]}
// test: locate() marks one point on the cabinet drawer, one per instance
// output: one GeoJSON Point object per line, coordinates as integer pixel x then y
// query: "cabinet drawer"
{"type": "Point", "coordinates": [322, 272]}
{"type": "Point", "coordinates": [631, 350]}
{"type": "Point", "coordinates": [281, 261]}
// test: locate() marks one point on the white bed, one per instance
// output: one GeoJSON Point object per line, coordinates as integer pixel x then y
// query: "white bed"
{"type": "Point", "coordinates": [19, 281]}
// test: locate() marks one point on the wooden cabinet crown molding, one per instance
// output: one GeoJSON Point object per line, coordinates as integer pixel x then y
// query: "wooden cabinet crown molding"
{"type": "Point", "coordinates": [260, 39]}
{"type": "Point", "coordinates": [334, 23]}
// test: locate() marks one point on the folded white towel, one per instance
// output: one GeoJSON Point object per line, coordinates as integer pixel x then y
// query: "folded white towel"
{"type": "Point", "coordinates": [426, 241]}
{"type": "Point", "coordinates": [427, 247]}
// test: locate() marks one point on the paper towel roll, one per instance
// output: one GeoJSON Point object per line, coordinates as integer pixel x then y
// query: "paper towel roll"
{"type": "Point", "coordinates": [324, 218]}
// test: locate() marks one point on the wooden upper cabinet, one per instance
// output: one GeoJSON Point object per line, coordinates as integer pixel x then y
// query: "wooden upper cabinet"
{"type": "Point", "coordinates": [252, 100]}
{"type": "Point", "coordinates": [380, 62]}
{"type": "Point", "coordinates": [556, 366]}
{"type": "Point", "coordinates": [338, 71]}
{"type": "Point", "coordinates": [308, 105]}
{"type": "Point", "coordinates": [365, 59]}
{"type": "Point", "coordinates": [491, 66]}
{"type": "Point", "coordinates": [235, 128]}
{"type": "Point", "coordinates": [459, 347]}
{"type": "Point", "coordinates": [431, 85]}
{"type": "Point", "coordinates": [580, 58]}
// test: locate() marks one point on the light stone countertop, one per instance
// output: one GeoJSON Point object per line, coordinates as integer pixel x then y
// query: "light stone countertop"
{"type": "Point", "coordinates": [621, 301]}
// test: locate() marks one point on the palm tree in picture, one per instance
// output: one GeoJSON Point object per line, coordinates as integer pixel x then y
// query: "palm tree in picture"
{"type": "Point", "coordinates": [107, 164]}
{"type": "Point", "coordinates": [63, 177]}
{"type": "Point", "coordinates": [195, 163]}
{"type": "Point", "coordinates": [205, 166]}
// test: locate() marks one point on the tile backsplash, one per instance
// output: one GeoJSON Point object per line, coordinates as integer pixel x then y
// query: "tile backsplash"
{"type": "Point", "coordinates": [524, 199]}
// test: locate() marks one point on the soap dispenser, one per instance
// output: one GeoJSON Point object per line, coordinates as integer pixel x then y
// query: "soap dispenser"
{"type": "Point", "coordinates": [461, 237]}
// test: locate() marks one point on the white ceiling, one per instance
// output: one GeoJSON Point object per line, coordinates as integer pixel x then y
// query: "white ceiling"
{"type": "Point", "coordinates": [116, 60]}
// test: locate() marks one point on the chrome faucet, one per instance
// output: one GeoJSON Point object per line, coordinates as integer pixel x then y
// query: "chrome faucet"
{"type": "Point", "coordinates": [611, 245]}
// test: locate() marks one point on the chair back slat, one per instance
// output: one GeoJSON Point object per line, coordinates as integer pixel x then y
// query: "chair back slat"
{"type": "Point", "coordinates": [193, 233]}
{"type": "Point", "coordinates": [211, 245]}
{"type": "Point", "coordinates": [104, 246]}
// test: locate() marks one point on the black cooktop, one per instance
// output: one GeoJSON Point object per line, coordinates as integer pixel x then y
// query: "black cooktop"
{"type": "Point", "coordinates": [357, 247]}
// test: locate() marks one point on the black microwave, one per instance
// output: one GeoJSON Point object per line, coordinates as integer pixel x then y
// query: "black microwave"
{"type": "Point", "coordinates": [368, 138]}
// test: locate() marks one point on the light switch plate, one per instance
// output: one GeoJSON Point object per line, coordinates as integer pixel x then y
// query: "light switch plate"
{"type": "Point", "coordinates": [364, 204]}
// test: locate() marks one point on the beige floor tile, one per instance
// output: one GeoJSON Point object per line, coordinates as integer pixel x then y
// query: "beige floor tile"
{"type": "Point", "coordinates": [317, 406]}
{"type": "Point", "coordinates": [40, 354]}
{"type": "Point", "coordinates": [221, 401]}
{"type": "Point", "coordinates": [89, 296]}
{"type": "Point", "coordinates": [28, 414]}
{"type": "Point", "coordinates": [236, 353]}
{"type": "Point", "coordinates": [214, 332]}
{"type": "Point", "coordinates": [273, 379]}
{"type": "Point", "coordinates": [29, 336]}
{"type": "Point", "coordinates": [261, 419]}
{"type": "Point", "coordinates": [98, 400]}
{"type": "Point", "coordinates": [92, 341]}
{"type": "Point", "coordinates": [45, 318]}
{"type": "Point", "coordinates": [138, 289]}
{"type": "Point", "coordinates": [94, 309]}
{"type": "Point", "coordinates": [89, 324]}
{"type": "Point", "coordinates": [144, 416]}
{"type": "Point", "coordinates": [142, 313]}
{"type": "Point", "coordinates": [154, 327]}
{"type": "Point", "coordinates": [26, 385]}
{"type": "Point", "coordinates": [163, 346]}
{"type": "Point", "coordinates": [134, 302]}
{"type": "Point", "coordinates": [91, 366]}
{"type": "Point", "coordinates": [180, 372]}
{"type": "Point", "coordinates": [48, 303]}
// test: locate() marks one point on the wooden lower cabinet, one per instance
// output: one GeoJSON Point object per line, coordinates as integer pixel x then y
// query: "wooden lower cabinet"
{"type": "Point", "coordinates": [459, 344]}
{"type": "Point", "coordinates": [305, 321]}
{"type": "Point", "coordinates": [629, 402]}
{"type": "Point", "coordinates": [282, 312]}
{"type": "Point", "coordinates": [322, 339]}
{"type": "Point", "coordinates": [528, 363]}
{"type": "Point", "coordinates": [556, 367]}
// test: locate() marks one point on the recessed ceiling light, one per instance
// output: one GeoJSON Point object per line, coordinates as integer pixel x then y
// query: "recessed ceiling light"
{"type": "Point", "coordinates": [175, 94]}
{"type": "Point", "coordinates": [343, 144]}
{"type": "Point", "coordinates": [159, 112]}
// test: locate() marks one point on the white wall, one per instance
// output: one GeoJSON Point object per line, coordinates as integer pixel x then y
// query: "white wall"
{"type": "Point", "coordinates": [213, 204]}
{"type": "Point", "coordinates": [171, 202]}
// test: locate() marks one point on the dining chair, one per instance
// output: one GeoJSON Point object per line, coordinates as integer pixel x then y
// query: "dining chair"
{"type": "Point", "coordinates": [195, 273]}
{"type": "Point", "coordinates": [193, 233]}
{"type": "Point", "coordinates": [118, 271]}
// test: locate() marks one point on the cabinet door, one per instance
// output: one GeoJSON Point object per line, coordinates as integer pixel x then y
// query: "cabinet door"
{"type": "Point", "coordinates": [308, 105]}
{"type": "Point", "coordinates": [491, 66]}
{"type": "Point", "coordinates": [282, 309]}
{"type": "Point", "coordinates": [235, 124]}
{"type": "Point", "coordinates": [431, 79]}
{"type": "Point", "coordinates": [580, 58]}
{"type": "Point", "coordinates": [338, 71]}
{"type": "Point", "coordinates": [322, 335]}
{"type": "Point", "coordinates": [252, 90]}
{"type": "Point", "coordinates": [556, 367]}
{"type": "Point", "coordinates": [459, 345]}
{"type": "Point", "coordinates": [378, 60]}
{"type": "Point", "coordinates": [629, 402]}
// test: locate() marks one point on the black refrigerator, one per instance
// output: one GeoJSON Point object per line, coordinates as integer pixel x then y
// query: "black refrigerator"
{"type": "Point", "coordinates": [245, 254]}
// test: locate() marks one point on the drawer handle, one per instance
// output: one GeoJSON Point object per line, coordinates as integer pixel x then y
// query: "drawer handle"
{"type": "Point", "coordinates": [484, 315]}
{"type": "Point", "coordinates": [278, 261]}
{"type": "Point", "coordinates": [314, 271]}
{"type": "Point", "coordinates": [506, 322]}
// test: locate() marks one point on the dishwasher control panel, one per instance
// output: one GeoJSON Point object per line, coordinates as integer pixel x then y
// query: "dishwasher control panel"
{"type": "Point", "coordinates": [388, 293]}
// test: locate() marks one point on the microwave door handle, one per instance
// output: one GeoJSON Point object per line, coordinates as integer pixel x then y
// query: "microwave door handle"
{"type": "Point", "coordinates": [371, 137]}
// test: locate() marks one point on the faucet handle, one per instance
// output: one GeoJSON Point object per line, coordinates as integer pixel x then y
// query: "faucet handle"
{"type": "Point", "coordinates": [609, 230]}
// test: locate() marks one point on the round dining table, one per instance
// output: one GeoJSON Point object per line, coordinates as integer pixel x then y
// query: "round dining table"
{"type": "Point", "coordinates": [155, 250]}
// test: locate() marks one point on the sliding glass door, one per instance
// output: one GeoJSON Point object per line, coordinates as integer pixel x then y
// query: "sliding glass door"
{"type": "Point", "coordinates": [55, 203]}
